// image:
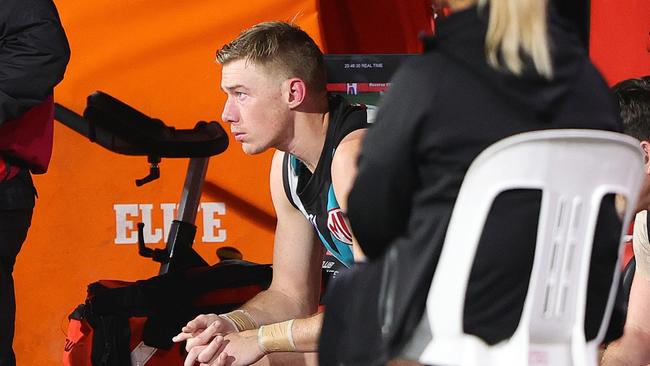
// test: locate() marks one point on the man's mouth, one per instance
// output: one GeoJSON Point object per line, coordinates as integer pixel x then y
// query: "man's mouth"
{"type": "Point", "coordinates": [239, 136]}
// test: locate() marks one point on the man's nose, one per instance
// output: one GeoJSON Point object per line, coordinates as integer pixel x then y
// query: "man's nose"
{"type": "Point", "coordinates": [230, 113]}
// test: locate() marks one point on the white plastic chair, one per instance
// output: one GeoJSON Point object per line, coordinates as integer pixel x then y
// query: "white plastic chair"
{"type": "Point", "coordinates": [574, 169]}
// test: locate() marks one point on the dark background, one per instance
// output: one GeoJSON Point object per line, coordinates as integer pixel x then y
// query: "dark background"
{"type": "Point", "coordinates": [577, 11]}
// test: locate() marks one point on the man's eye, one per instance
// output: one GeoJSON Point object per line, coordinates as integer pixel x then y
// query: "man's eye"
{"type": "Point", "coordinates": [240, 95]}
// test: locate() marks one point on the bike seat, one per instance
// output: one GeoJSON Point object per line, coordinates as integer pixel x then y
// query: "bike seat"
{"type": "Point", "coordinates": [121, 128]}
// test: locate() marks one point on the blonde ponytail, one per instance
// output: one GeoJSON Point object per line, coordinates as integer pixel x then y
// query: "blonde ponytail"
{"type": "Point", "coordinates": [516, 27]}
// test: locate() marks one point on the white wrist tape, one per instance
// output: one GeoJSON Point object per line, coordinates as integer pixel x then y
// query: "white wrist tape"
{"type": "Point", "coordinates": [276, 337]}
{"type": "Point", "coordinates": [240, 319]}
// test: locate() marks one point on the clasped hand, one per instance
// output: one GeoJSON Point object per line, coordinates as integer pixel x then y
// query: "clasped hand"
{"type": "Point", "coordinates": [214, 341]}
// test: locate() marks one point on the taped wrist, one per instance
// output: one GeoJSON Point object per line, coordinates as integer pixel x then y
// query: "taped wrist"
{"type": "Point", "coordinates": [276, 337]}
{"type": "Point", "coordinates": [240, 319]}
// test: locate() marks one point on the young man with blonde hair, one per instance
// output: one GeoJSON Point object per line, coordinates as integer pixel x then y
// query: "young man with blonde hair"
{"type": "Point", "coordinates": [274, 77]}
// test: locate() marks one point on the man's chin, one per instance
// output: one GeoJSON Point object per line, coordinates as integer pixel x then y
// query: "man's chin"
{"type": "Point", "coordinates": [251, 150]}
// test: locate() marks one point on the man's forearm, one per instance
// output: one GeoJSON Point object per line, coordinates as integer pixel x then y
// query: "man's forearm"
{"type": "Point", "coordinates": [306, 333]}
{"type": "Point", "coordinates": [632, 348]}
{"type": "Point", "coordinates": [273, 306]}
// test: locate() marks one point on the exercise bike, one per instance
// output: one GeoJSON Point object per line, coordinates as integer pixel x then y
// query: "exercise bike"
{"type": "Point", "coordinates": [131, 323]}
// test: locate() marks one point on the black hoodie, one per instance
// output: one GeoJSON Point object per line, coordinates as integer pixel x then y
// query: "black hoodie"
{"type": "Point", "coordinates": [34, 53]}
{"type": "Point", "coordinates": [442, 110]}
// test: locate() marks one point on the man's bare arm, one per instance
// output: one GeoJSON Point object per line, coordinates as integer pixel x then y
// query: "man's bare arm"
{"type": "Point", "coordinates": [297, 261]}
{"type": "Point", "coordinates": [632, 348]}
{"type": "Point", "coordinates": [344, 171]}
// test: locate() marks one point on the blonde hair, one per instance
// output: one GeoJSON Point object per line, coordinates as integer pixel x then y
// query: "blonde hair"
{"type": "Point", "coordinates": [516, 28]}
{"type": "Point", "coordinates": [283, 47]}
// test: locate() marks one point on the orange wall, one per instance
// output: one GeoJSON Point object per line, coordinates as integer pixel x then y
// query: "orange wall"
{"type": "Point", "coordinates": [158, 56]}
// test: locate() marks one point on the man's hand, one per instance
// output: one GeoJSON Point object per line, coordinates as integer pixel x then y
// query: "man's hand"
{"type": "Point", "coordinates": [201, 330]}
{"type": "Point", "coordinates": [234, 349]}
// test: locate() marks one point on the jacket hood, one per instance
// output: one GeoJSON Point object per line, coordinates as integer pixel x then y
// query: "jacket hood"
{"type": "Point", "coordinates": [461, 37]}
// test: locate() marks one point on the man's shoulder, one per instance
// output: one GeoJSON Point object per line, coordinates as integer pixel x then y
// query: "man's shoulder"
{"type": "Point", "coordinates": [344, 120]}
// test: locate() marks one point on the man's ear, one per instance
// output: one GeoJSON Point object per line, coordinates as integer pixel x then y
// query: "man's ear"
{"type": "Point", "coordinates": [645, 146]}
{"type": "Point", "coordinates": [297, 91]}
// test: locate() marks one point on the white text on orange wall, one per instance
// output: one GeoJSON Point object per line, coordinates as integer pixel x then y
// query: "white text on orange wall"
{"type": "Point", "coordinates": [128, 215]}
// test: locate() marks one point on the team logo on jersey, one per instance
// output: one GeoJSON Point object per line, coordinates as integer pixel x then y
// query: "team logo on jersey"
{"type": "Point", "coordinates": [337, 226]}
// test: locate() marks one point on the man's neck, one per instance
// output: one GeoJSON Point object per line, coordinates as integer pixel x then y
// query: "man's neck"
{"type": "Point", "coordinates": [309, 138]}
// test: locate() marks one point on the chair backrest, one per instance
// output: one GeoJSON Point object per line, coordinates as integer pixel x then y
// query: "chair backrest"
{"type": "Point", "coordinates": [574, 169]}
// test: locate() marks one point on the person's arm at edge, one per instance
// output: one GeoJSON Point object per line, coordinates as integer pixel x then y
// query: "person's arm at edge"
{"type": "Point", "coordinates": [632, 348]}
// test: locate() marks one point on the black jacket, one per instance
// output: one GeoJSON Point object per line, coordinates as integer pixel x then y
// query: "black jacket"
{"type": "Point", "coordinates": [442, 110]}
{"type": "Point", "coordinates": [34, 53]}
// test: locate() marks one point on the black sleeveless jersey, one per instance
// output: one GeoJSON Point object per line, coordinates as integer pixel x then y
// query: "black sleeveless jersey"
{"type": "Point", "coordinates": [313, 194]}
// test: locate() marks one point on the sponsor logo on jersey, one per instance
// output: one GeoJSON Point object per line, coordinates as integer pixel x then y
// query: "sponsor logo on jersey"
{"type": "Point", "coordinates": [337, 226]}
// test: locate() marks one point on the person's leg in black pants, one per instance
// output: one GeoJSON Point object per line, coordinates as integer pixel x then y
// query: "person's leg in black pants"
{"type": "Point", "coordinates": [16, 205]}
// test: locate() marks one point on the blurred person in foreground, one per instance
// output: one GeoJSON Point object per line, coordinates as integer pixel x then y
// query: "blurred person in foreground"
{"type": "Point", "coordinates": [495, 68]}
